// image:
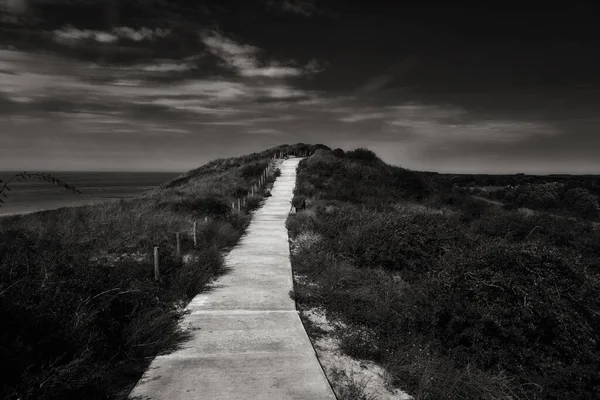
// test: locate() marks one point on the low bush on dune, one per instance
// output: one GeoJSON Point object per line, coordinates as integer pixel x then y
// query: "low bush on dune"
{"type": "Point", "coordinates": [456, 297]}
{"type": "Point", "coordinates": [82, 315]}
{"type": "Point", "coordinates": [330, 177]}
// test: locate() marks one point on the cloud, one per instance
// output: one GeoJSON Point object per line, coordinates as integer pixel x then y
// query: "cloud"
{"type": "Point", "coordinates": [419, 111]}
{"type": "Point", "coordinates": [306, 8]}
{"type": "Point", "coordinates": [170, 130]}
{"type": "Point", "coordinates": [363, 117]}
{"type": "Point", "coordinates": [191, 105]}
{"type": "Point", "coordinates": [266, 132]}
{"type": "Point", "coordinates": [449, 124]}
{"type": "Point", "coordinates": [272, 72]}
{"type": "Point", "coordinates": [303, 7]}
{"type": "Point", "coordinates": [200, 90]}
{"type": "Point", "coordinates": [248, 121]}
{"type": "Point", "coordinates": [167, 67]}
{"type": "Point", "coordinates": [141, 34]}
{"type": "Point", "coordinates": [91, 101]}
{"type": "Point", "coordinates": [70, 34]}
{"type": "Point", "coordinates": [283, 92]}
{"type": "Point", "coordinates": [245, 59]}
{"type": "Point", "coordinates": [314, 67]}
{"type": "Point", "coordinates": [395, 72]}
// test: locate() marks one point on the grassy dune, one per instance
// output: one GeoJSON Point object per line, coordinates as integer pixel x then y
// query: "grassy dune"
{"type": "Point", "coordinates": [457, 298]}
{"type": "Point", "coordinates": [81, 313]}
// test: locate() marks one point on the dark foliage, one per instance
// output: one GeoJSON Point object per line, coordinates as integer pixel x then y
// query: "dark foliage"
{"type": "Point", "coordinates": [362, 154]}
{"type": "Point", "coordinates": [253, 170]}
{"type": "Point", "coordinates": [74, 326]}
{"type": "Point", "coordinates": [202, 206]}
{"type": "Point", "coordinates": [458, 297]}
{"type": "Point", "coordinates": [82, 314]}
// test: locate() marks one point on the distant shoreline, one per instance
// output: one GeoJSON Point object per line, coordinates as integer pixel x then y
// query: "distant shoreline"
{"type": "Point", "coordinates": [95, 202]}
{"type": "Point", "coordinates": [97, 187]}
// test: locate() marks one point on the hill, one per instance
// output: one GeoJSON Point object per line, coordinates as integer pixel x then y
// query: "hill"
{"type": "Point", "coordinates": [456, 297]}
{"type": "Point", "coordinates": [82, 313]}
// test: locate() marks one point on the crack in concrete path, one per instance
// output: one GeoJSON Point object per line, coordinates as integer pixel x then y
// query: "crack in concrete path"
{"type": "Point", "coordinates": [247, 340]}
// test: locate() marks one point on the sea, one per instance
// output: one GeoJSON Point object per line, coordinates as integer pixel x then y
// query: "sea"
{"type": "Point", "coordinates": [96, 187]}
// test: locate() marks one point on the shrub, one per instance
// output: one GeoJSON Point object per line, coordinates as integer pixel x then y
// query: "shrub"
{"type": "Point", "coordinates": [581, 202]}
{"type": "Point", "coordinates": [359, 342]}
{"type": "Point", "coordinates": [201, 206]}
{"type": "Point", "coordinates": [253, 202]}
{"type": "Point", "coordinates": [363, 154]}
{"type": "Point", "coordinates": [339, 153]}
{"type": "Point", "coordinates": [458, 298]}
{"type": "Point", "coordinates": [253, 170]}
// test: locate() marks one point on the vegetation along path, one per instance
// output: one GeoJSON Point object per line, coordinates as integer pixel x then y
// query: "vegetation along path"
{"type": "Point", "coordinates": [247, 341]}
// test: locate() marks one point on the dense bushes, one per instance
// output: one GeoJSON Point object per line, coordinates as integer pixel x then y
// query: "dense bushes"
{"type": "Point", "coordinates": [390, 240]}
{"type": "Point", "coordinates": [364, 155]}
{"type": "Point", "coordinates": [72, 327]}
{"type": "Point", "coordinates": [253, 170]}
{"type": "Point", "coordinates": [524, 309]}
{"type": "Point", "coordinates": [327, 176]}
{"type": "Point", "coordinates": [201, 206]}
{"type": "Point", "coordinates": [81, 326]}
{"type": "Point", "coordinates": [456, 297]}
{"type": "Point", "coordinates": [552, 196]}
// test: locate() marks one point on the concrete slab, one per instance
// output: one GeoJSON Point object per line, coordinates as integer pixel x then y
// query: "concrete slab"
{"type": "Point", "coordinates": [247, 340]}
{"type": "Point", "coordinates": [227, 377]}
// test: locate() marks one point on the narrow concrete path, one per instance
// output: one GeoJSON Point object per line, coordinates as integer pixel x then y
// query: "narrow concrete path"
{"type": "Point", "coordinates": [247, 339]}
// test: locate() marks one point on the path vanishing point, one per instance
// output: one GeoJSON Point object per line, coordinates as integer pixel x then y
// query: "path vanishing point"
{"type": "Point", "coordinates": [247, 340]}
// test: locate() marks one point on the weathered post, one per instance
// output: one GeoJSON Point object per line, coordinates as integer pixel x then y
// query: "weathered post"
{"type": "Point", "coordinates": [233, 206]}
{"type": "Point", "coordinates": [178, 248]}
{"type": "Point", "coordinates": [195, 235]}
{"type": "Point", "coordinates": [156, 265]}
{"type": "Point", "coordinates": [205, 220]}
{"type": "Point", "coordinates": [239, 205]}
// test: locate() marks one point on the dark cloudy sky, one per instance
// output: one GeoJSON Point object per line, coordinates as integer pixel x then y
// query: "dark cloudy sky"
{"type": "Point", "coordinates": [430, 88]}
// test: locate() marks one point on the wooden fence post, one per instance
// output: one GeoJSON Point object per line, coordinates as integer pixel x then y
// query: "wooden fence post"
{"type": "Point", "coordinates": [205, 220]}
{"type": "Point", "coordinates": [178, 248]}
{"type": "Point", "coordinates": [233, 206]}
{"type": "Point", "coordinates": [239, 205]}
{"type": "Point", "coordinates": [156, 265]}
{"type": "Point", "coordinates": [195, 235]}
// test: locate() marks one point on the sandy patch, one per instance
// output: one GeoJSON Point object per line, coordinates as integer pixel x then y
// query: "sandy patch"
{"type": "Point", "coordinates": [367, 374]}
